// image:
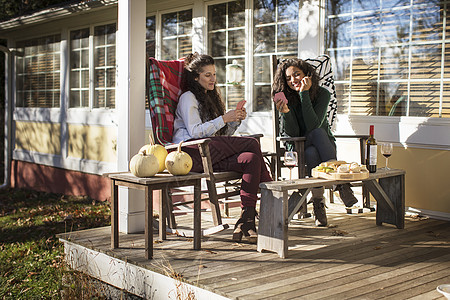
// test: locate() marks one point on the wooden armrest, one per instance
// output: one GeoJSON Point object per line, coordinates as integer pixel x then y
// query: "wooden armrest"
{"type": "Point", "coordinates": [256, 136]}
{"type": "Point", "coordinates": [291, 139]}
{"type": "Point", "coordinates": [355, 136]}
{"type": "Point", "coordinates": [189, 143]}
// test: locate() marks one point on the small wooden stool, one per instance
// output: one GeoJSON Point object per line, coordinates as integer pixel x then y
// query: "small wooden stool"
{"type": "Point", "coordinates": [161, 181]}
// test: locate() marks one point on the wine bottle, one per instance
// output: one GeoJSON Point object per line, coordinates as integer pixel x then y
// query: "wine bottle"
{"type": "Point", "coordinates": [371, 152]}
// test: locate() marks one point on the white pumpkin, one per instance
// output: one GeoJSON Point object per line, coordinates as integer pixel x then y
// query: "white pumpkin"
{"type": "Point", "coordinates": [178, 162]}
{"type": "Point", "coordinates": [144, 165]}
{"type": "Point", "coordinates": [157, 150]}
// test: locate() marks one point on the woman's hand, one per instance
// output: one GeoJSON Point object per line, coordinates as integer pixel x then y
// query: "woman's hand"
{"type": "Point", "coordinates": [282, 106]}
{"type": "Point", "coordinates": [305, 84]}
{"type": "Point", "coordinates": [234, 115]}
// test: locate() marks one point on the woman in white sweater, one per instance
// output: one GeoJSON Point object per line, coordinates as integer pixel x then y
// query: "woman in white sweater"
{"type": "Point", "coordinates": [201, 113]}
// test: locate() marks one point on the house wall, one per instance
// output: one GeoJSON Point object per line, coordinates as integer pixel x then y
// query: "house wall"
{"type": "Point", "coordinates": [56, 180]}
{"type": "Point", "coordinates": [426, 180]}
{"type": "Point", "coordinates": [38, 137]}
{"type": "Point", "coordinates": [93, 142]}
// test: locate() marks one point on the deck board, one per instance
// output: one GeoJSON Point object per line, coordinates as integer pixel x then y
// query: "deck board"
{"type": "Point", "coordinates": [352, 258]}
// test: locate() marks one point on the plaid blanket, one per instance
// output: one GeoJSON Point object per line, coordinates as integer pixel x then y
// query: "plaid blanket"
{"type": "Point", "coordinates": [163, 90]}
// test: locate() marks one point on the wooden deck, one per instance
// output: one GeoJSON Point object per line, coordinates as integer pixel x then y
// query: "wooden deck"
{"type": "Point", "coordinates": [351, 258]}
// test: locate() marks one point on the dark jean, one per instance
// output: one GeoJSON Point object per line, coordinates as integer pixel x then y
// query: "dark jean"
{"type": "Point", "coordinates": [318, 148]}
{"type": "Point", "coordinates": [239, 154]}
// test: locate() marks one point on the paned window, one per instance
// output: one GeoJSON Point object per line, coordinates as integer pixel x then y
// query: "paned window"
{"type": "Point", "coordinates": [38, 72]}
{"type": "Point", "coordinates": [176, 34]}
{"type": "Point", "coordinates": [102, 91]}
{"type": "Point", "coordinates": [226, 44]}
{"type": "Point", "coordinates": [275, 31]}
{"type": "Point", "coordinates": [391, 57]}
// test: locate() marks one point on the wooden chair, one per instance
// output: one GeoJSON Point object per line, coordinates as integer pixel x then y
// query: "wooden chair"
{"type": "Point", "coordinates": [323, 67]}
{"type": "Point", "coordinates": [163, 89]}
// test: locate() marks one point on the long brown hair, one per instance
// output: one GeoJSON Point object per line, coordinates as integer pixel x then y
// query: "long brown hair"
{"type": "Point", "coordinates": [280, 83]}
{"type": "Point", "coordinates": [210, 103]}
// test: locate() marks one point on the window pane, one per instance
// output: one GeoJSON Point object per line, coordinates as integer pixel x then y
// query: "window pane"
{"type": "Point", "coordinates": [169, 49]}
{"type": "Point", "coordinates": [169, 24]}
{"type": "Point", "coordinates": [219, 12]}
{"type": "Point", "coordinates": [287, 36]}
{"type": "Point", "coordinates": [85, 58]}
{"type": "Point", "coordinates": [99, 36]}
{"type": "Point", "coordinates": [287, 10]}
{"type": "Point", "coordinates": [264, 41]}
{"type": "Point", "coordinates": [427, 22]}
{"type": "Point", "coordinates": [340, 64]}
{"type": "Point", "coordinates": [264, 11]}
{"type": "Point", "coordinates": [74, 80]}
{"type": "Point", "coordinates": [261, 65]}
{"type": "Point", "coordinates": [185, 46]}
{"type": "Point", "coordinates": [36, 70]}
{"type": "Point", "coordinates": [395, 26]}
{"type": "Point", "coordinates": [343, 94]}
{"type": "Point", "coordinates": [74, 98]}
{"type": "Point", "coordinates": [426, 61]}
{"type": "Point", "coordinates": [221, 76]}
{"type": "Point", "coordinates": [394, 63]}
{"type": "Point", "coordinates": [262, 93]}
{"type": "Point", "coordinates": [235, 94]}
{"type": "Point", "coordinates": [236, 42]}
{"type": "Point", "coordinates": [365, 30]}
{"type": "Point", "coordinates": [185, 25]}
{"type": "Point", "coordinates": [217, 42]}
{"type": "Point", "coordinates": [424, 99]}
{"type": "Point", "coordinates": [236, 14]}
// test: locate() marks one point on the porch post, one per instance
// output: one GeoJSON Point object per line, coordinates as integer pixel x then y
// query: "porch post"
{"type": "Point", "coordinates": [130, 101]}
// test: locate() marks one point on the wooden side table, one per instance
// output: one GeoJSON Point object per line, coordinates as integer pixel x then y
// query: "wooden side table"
{"type": "Point", "coordinates": [277, 207]}
{"type": "Point", "coordinates": [161, 181]}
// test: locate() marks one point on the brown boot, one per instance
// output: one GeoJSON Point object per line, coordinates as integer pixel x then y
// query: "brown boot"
{"type": "Point", "coordinates": [246, 226]}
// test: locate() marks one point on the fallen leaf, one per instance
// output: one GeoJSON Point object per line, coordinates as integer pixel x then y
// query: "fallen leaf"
{"type": "Point", "coordinates": [339, 233]}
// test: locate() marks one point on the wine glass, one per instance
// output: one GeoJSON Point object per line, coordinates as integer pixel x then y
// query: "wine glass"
{"type": "Point", "coordinates": [386, 150]}
{"type": "Point", "coordinates": [290, 161]}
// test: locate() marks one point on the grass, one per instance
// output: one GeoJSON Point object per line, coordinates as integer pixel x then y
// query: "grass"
{"type": "Point", "coordinates": [31, 257]}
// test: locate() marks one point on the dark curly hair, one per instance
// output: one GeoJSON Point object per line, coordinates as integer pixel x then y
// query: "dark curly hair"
{"type": "Point", "coordinates": [210, 103]}
{"type": "Point", "coordinates": [280, 83]}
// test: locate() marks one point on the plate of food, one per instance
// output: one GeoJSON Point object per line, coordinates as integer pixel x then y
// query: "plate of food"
{"type": "Point", "coordinates": [340, 170]}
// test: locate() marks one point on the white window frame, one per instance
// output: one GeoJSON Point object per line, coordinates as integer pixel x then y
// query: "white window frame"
{"type": "Point", "coordinates": [88, 115]}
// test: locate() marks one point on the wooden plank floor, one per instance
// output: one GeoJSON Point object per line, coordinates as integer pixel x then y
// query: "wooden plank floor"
{"type": "Point", "coordinates": [351, 258]}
